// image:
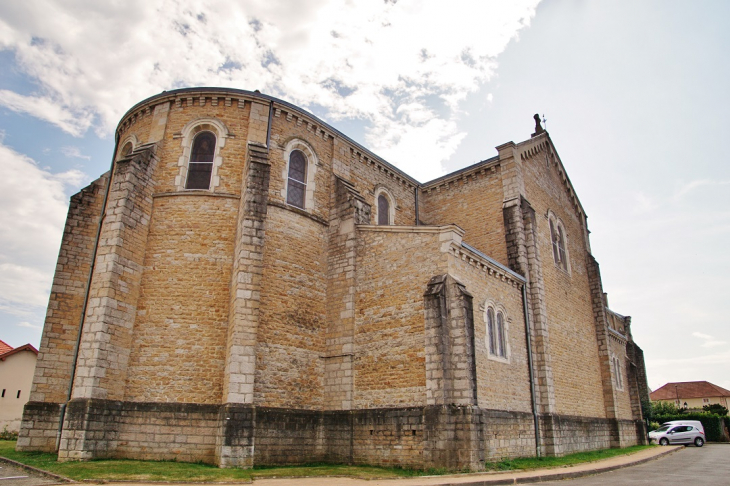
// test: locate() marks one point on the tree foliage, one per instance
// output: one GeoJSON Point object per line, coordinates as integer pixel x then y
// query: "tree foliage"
{"type": "Point", "coordinates": [715, 408]}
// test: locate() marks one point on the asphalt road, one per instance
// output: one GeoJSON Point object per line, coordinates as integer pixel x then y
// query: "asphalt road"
{"type": "Point", "coordinates": [692, 466]}
{"type": "Point", "coordinates": [15, 476]}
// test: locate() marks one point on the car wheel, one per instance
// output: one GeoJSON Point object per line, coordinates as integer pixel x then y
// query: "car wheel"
{"type": "Point", "coordinates": [663, 441]}
{"type": "Point", "coordinates": [699, 441]}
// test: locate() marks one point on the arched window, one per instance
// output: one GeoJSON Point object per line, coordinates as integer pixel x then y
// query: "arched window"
{"type": "Point", "coordinates": [491, 334]}
{"type": "Point", "coordinates": [384, 206]}
{"type": "Point", "coordinates": [126, 146]}
{"type": "Point", "coordinates": [554, 241]}
{"type": "Point", "coordinates": [619, 380]}
{"type": "Point", "coordinates": [501, 351]}
{"type": "Point", "coordinates": [557, 239]}
{"type": "Point", "coordinates": [561, 248]}
{"type": "Point", "coordinates": [496, 333]}
{"type": "Point", "coordinates": [200, 166]}
{"type": "Point", "coordinates": [383, 210]}
{"type": "Point", "coordinates": [297, 179]}
{"type": "Point", "coordinates": [127, 149]}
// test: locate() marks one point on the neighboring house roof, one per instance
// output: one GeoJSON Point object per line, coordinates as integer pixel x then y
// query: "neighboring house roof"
{"type": "Point", "coordinates": [689, 389]}
{"type": "Point", "coordinates": [25, 347]}
{"type": "Point", "coordinates": [4, 347]}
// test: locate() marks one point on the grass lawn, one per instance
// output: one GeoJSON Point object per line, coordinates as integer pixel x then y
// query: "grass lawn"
{"type": "Point", "coordinates": [131, 470]}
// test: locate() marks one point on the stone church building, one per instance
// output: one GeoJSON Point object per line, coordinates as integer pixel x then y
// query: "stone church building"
{"type": "Point", "coordinates": [247, 285]}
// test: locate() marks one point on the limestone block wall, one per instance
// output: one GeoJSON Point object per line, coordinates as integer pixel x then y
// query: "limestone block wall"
{"type": "Point", "coordinates": [233, 115]}
{"type": "Point", "coordinates": [622, 388]}
{"type": "Point", "coordinates": [367, 175]}
{"type": "Point", "coordinates": [574, 350]}
{"type": "Point", "coordinates": [471, 199]}
{"type": "Point", "coordinates": [61, 329]}
{"type": "Point", "coordinates": [289, 368]}
{"type": "Point", "coordinates": [286, 128]}
{"type": "Point", "coordinates": [138, 430]}
{"type": "Point", "coordinates": [113, 294]}
{"type": "Point", "coordinates": [178, 351]}
{"type": "Point", "coordinates": [394, 264]}
{"type": "Point", "coordinates": [503, 384]}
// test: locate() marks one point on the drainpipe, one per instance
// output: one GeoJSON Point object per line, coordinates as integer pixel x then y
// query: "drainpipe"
{"type": "Point", "coordinates": [528, 333]}
{"type": "Point", "coordinates": [86, 299]}
{"type": "Point", "coordinates": [268, 129]}
{"type": "Point", "coordinates": [415, 191]}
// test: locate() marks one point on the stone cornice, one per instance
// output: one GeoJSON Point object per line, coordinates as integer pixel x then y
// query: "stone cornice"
{"type": "Point", "coordinates": [201, 96]}
{"type": "Point", "coordinates": [488, 266]}
{"type": "Point", "coordinates": [411, 229]}
{"type": "Point", "coordinates": [473, 171]}
{"type": "Point", "coordinates": [466, 175]}
{"type": "Point", "coordinates": [196, 193]}
{"type": "Point", "coordinates": [614, 334]}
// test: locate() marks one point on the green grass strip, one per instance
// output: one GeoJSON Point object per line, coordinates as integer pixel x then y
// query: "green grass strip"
{"type": "Point", "coordinates": [527, 463]}
{"type": "Point", "coordinates": [171, 471]}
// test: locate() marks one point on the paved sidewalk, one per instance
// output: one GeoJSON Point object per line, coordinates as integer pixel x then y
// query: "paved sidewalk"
{"type": "Point", "coordinates": [476, 479]}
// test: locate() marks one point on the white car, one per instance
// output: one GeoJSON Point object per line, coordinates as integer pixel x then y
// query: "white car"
{"type": "Point", "coordinates": [679, 432]}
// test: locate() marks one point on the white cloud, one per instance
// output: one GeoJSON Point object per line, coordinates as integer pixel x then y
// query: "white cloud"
{"type": "Point", "coordinates": [67, 118]}
{"type": "Point", "coordinates": [645, 203]}
{"type": "Point", "coordinates": [361, 60]}
{"type": "Point", "coordinates": [697, 184]}
{"type": "Point", "coordinates": [74, 152]}
{"type": "Point", "coordinates": [33, 206]}
{"type": "Point", "coordinates": [29, 325]}
{"type": "Point", "coordinates": [710, 342]}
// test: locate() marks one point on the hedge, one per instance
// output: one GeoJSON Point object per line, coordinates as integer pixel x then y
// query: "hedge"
{"type": "Point", "coordinates": [711, 422]}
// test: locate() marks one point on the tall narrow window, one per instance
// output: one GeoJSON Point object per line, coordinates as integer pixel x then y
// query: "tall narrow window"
{"type": "Point", "coordinates": [617, 373]}
{"type": "Point", "coordinates": [297, 179]}
{"type": "Point", "coordinates": [561, 249]}
{"type": "Point", "coordinates": [490, 332]}
{"type": "Point", "coordinates": [496, 332]}
{"type": "Point", "coordinates": [200, 166]}
{"type": "Point", "coordinates": [558, 242]}
{"type": "Point", "coordinates": [383, 210]}
{"type": "Point", "coordinates": [501, 351]}
{"type": "Point", "coordinates": [554, 241]}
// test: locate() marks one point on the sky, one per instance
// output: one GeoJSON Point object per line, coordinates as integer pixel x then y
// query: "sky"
{"type": "Point", "coordinates": [635, 95]}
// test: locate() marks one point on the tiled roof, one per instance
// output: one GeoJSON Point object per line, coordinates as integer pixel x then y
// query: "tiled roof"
{"type": "Point", "coordinates": [25, 347]}
{"type": "Point", "coordinates": [689, 389]}
{"type": "Point", "coordinates": [4, 347]}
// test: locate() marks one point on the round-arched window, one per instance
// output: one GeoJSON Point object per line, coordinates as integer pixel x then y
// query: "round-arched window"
{"type": "Point", "coordinates": [383, 210]}
{"type": "Point", "coordinates": [200, 167]}
{"type": "Point", "coordinates": [297, 179]}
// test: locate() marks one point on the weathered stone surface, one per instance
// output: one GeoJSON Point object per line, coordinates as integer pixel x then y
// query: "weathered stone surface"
{"type": "Point", "coordinates": [225, 325]}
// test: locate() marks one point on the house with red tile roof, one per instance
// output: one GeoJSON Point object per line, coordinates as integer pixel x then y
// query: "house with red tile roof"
{"type": "Point", "coordinates": [4, 347]}
{"type": "Point", "coordinates": [17, 366]}
{"type": "Point", "coordinates": [692, 394]}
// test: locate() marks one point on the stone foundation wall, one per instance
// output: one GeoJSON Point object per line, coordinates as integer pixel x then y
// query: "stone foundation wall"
{"type": "Point", "coordinates": [39, 427]}
{"type": "Point", "coordinates": [454, 437]}
{"type": "Point", "coordinates": [579, 434]}
{"type": "Point", "coordinates": [96, 429]}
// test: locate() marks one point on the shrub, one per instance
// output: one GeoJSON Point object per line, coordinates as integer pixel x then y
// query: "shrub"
{"type": "Point", "coordinates": [8, 434]}
{"type": "Point", "coordinates": [665, 408]}
{"type": "Point", "coordinates": [715, 408]}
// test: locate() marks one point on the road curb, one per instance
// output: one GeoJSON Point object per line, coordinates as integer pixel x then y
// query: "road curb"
{"type": "Point", "coordinates": [61, 479]}
{"type": "Point", "coordinates": [557, 476]}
